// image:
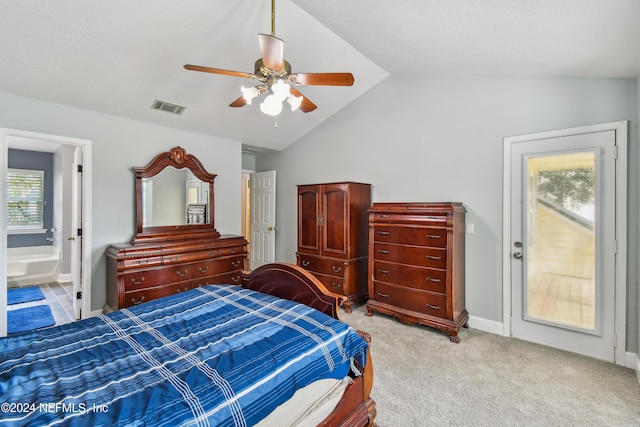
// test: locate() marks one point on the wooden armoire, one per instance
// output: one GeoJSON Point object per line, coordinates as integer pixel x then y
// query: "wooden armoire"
{"type": "Point", "coordinates": [332, 236]}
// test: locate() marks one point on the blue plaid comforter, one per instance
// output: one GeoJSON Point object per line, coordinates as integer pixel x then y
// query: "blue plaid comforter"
{"type": "Point", "coordinates": [218, 355]}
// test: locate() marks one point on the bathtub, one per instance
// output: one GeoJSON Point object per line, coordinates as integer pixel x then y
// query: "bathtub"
{"type": "Point", "coordinates": [32, 265]}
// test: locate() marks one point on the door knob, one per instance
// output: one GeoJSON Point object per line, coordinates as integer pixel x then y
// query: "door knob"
{"type": "Point", "coordinates": [71, 238]}
{"type": "Point", "coordinates": [517, 255]}
{"type": "Point", "coordinates": [270, 228]}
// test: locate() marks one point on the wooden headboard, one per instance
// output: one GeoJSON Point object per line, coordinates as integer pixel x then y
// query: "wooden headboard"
{"type": "Point", "coordinates": [292, 282]}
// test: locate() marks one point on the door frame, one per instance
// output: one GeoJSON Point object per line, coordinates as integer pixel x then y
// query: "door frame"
{"type": "Point", "coordinates": [620, 306]}
{"type": "Point", "coordinates": [87, 156]}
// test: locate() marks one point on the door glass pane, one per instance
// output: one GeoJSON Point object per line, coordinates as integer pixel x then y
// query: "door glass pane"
{"type": "Point", "coordinates": [561, 243]}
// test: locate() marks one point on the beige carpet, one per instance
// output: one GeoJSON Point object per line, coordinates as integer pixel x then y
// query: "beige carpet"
{"type": "Point", "coordinates": [423, 379]}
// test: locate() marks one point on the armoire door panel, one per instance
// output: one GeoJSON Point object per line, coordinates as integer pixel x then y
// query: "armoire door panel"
{"type": "Point", "coordinates": [308, 225]}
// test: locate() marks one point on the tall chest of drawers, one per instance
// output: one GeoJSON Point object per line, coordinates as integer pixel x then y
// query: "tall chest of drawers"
{"type": "Point", "coordinates": [416, 264]}
{"type": "Point", "coordinates": [141, 273]}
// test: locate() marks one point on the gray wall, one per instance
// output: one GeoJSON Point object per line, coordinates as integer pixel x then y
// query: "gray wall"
{"type": "Point", "coordinates": [118, 144]}
{"type": "Point", "coordinates": [34, 160]}
{"type": "Point", "coordinates": [441, 139]}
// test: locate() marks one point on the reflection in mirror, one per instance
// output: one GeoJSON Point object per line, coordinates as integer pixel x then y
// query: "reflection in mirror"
{"type": "Point", "coordinates": [169, 196]}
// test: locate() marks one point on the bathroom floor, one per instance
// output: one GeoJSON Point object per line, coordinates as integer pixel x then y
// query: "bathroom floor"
{"type": "Point", "coordinates": [58, 297]}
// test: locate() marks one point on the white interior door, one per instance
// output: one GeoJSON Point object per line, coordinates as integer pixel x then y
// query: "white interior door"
{"type": "Point", "coordinates": [263, 219]}
{"type": "Point", "coordinates": [76, 237]}
{"type": "Point", "coordinates": [563, 237]}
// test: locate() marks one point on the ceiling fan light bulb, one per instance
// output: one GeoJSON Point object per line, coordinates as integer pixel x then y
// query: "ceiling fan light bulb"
{"type": "Point", "coordinates": [271, 105]}
{"type": "Point", "coordinates": [295, 102]}
{"type": "Point", "coordinates": [281, 90]}
{"type": "Point", "coordinates": [249, 93]}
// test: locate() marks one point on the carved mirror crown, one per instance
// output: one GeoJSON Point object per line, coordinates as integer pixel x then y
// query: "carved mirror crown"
{"type": "Point", "coordinates": [174, 199]}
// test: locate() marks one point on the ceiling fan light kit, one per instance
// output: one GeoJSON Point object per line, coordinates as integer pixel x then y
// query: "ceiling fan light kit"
{"type": "Point", "coordinates": [275, 77]}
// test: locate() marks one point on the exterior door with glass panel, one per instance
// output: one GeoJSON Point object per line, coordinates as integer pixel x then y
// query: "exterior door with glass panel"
{"type": "Point", "coordinates": [563, 242]}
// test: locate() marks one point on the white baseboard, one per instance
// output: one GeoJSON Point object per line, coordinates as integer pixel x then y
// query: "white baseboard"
{"type": "Point", "coordinates": [636, 367]}
{"type": "Point", "coordinates": [485, 325]}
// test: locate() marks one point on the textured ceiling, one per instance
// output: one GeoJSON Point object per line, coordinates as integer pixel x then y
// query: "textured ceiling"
{"type": "Point", "coordinates": [118, 56]}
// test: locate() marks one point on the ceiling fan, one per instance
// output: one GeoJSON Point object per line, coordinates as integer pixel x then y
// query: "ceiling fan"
{"type": "Point", "coordinates": [276, 78]}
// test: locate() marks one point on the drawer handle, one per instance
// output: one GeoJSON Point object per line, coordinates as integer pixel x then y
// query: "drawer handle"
{"type": "Point", "coordinates": [383, 233]}
{"type": "Point", "coordinates": [437, 258]}
{"type": "Point", "coordinates": [143, 261]}
{"type": "Point", "coordinates": [134, 302]}
{"type": "Point", "coordinates": [433, 236]}
{"type": "Point", "coordinates": [431, 279]}
{"type": "Point", "coordinates": [383, 271]}
{"type": "Point", "coordinates": [213, 253]}
{"type": "Point", "coordinates": [180, 273]}
{"type": "Point", "coordinates": [203, 270]}
{"type": "Point", "coordinates": [336, 269]}
{"type": "Point", "coordinates": [138, 282]}
{"type": "Point", "coordinates": [185, 288]}
{"type": "Point", "coordinates": [383, 295]}
{"type": "Point", "coordinates": [235, 263]}
{"type": "Point", "coordinates": [433, 307]}
{"type": "Point", "coordinates": [234, 250]}
{"type": "Point", "coordinates": [173, 259]}
{"type": "Point", "coordinates": [306, 263]}
{"type": "Point", "coordinates": [235, 279]}
{"type": "Point", "coordinates": [383, 216]}
{"type": "Point", "coordinates": [336, 285]}
{"type": "Point", "coordinates": [383, 252]}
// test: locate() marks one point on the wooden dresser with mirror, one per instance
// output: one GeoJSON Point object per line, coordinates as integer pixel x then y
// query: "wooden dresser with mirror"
{"type": "Point", "coordinates": [176, 246]}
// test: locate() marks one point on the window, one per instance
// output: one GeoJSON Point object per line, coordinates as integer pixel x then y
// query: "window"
{"type": "Point", "coordinates": [25, 200]}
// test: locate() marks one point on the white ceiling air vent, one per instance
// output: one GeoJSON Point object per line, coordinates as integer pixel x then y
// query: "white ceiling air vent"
{"type": "Point", "coordinates": [168, 107]}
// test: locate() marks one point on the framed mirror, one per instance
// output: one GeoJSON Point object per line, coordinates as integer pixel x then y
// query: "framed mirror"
{"type": "Point", "coordinates": [174, 199]}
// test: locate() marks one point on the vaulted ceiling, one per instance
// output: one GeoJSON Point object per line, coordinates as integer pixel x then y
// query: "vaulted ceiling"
{"type": "Point", "coordinates": [118, 56]}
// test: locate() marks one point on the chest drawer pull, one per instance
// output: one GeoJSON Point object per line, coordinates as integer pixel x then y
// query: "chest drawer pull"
{"type": "Point", "coordinates": [185, 288]}
{"type": "Point", "coordinates": [380, 294]}
{"type": "Point", "coordinates": [235, 263]}
{"type": "Point", "coordinates": [433, 236]}
{"type": "Point", "coordinates": [181, 273]}
{"type": "Point", "coordinates": [431, 279]}
{"type": "Point", "coordinates": [437, 258]}
{"type": "Point", "coordinates": [383, 216]}
{"type": "Point", "coordinates": [433, 307]}
{"type": "Point", "coordinates": [203, 270]}
{"type": "Point", "coordinates": [383, 271]}
{"type": "Point", "coordinates": [235, 279]}
{"type": "Point", "coordinates": [134, 302]}
{"type": "Point", "coordinates": [306, 263]}
{"type": "Point", "coordinates": [383, 233]}
{"type": "Point", "coordinates": [336, 269]}
{"type": "Point", "coordinates": [143, 261]}
{"type": "Point", "coordinates": [213, 253]}
{"type": "Point", "coordinates": [383, 252]}
{"type": "Point", "coordinates": [173, 259]}
{"type": "Point", "coordinates": [336, 285]}
{"type": "Point", "coordinates": [139, 282]}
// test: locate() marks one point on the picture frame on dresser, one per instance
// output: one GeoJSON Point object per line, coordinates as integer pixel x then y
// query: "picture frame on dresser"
{"type": "Point", "coordinates": [417, 264]}
{"type": "Point", "coordinates": [172, 254]}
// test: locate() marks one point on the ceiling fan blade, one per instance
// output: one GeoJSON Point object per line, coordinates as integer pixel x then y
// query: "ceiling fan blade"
{"type": "Point", "coordinates": [324, 79]}
{"type": "Point", "coordinates": [272, 49]}
{"type": "Point", "coordinates": [218, 71]}
{"type": "Point", "coordinates": [306, 106]}
{"type": "Point", "coordinates": [240, 102]}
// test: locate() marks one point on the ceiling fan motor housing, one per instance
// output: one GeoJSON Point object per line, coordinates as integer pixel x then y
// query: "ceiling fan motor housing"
{"type": "Point", "coordinates": [260, 69]}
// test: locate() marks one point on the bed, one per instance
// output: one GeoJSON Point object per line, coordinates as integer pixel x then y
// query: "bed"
{"type": "Point", "coordinates": [271, 352]}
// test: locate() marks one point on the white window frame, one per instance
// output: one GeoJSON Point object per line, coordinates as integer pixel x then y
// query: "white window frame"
{"type": "Point", "coordinates": [27, 229]}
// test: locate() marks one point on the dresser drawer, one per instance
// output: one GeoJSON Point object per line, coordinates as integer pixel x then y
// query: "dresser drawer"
{"type": "Point", "coordinates": [145, 295]}
{"type": "Point", "coordinates": [132, 263]}
{"type": "Point", "coordinates": [435, 237]}
{"type": "Point", "coordinates": [417, 219]}
{"type": "Point", "coordinates": [334, 284]}
{"type": "Point", "coordinates": [423, 302]}
{"type": "Point", "coordinates": [217, 266]}
{"type": "Point", "coordinates": [428, 279]}
{"type": "Point", "coordinates": [330, 267]}
{"type": "Point", "coordinates": [229, 278]}
{"type": "Point", "coordinates": [413, 255]}
{"type": "Point", "coordinates": [155, 277]}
